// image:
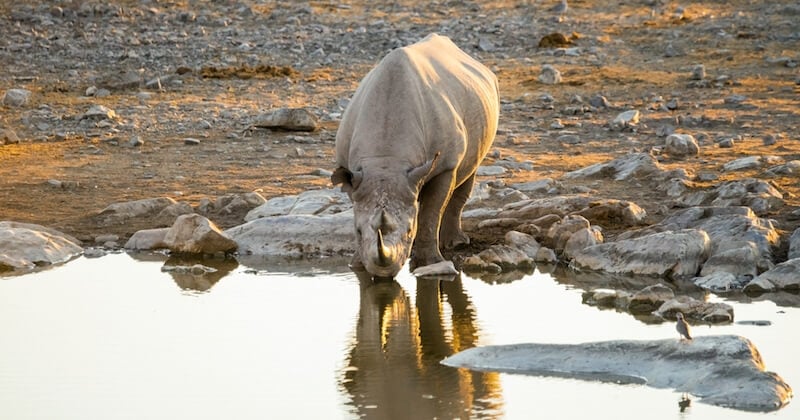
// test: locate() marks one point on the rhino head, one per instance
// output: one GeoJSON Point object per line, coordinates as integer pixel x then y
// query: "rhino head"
{"type": "Point", "coordinates": [385, 207]}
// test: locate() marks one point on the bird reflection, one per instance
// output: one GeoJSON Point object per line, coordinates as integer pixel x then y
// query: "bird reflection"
{"type": "Point", "coordinates": [394, 368]}
{"type": "Point", "coordinates": [684, 403]}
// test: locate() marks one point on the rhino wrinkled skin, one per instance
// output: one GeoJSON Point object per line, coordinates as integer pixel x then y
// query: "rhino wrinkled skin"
{"type": "Point", "coordinates": [407, 150]}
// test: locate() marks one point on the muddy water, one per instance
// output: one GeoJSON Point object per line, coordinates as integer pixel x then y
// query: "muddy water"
{"type": "Point", "coordinates": [116, 338]}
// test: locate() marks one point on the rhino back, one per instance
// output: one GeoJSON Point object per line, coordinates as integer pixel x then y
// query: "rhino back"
{"type": "Point", "coordinates": [420, 99]}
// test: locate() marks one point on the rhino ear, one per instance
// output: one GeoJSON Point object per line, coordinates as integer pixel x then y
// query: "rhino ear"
{"type": "Point", "coordinates": [349, 180]}
{"type": "Point", "coordinates": [417, 176]}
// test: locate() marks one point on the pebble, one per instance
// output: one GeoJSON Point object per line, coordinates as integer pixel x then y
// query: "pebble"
{"type": "Point", "coordinates": [549, 75]}
{"type": "Point", "coordinates": [99, 112]}
{"type": "Point", "coordinates": [135, 141]}
{"type": "Point", "coordinates": [191, 141]}
{"type": "Point", "coordinates": [726, 143]}
{"type": "Point", "coordinates": [599, 101]}
{"type": "Point", "coordinates": [769, 140]}
{"type": "Point", "coordinates": [735, 99]}
{"type": "Point", "coordinates": [491, 170]}
{"type": "Point", "coordinates": [698, 72]}
{"type": "Point", "coordinates": [16, 97]}
{"type": "Point", "coordinates": [626, 119]}
{"type": "Point", "coordinates": [557, 124]}
{"type": "Point", "coordinates": [8, 136]}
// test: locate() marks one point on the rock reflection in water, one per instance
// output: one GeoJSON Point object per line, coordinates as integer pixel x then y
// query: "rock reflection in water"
{"type": "Point", "coordinates": [394, 369]}
{"type": "Point", "coordinates": [198, 279]}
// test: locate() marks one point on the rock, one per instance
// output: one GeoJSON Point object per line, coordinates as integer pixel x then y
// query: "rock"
{"type": "Point", "coordinates": [312, 202]}
{"type": "Point", "coordinates": [25, 246]}
{"type": "Point", "coordinates": [539, 207]}
{"type": "Point", "coordinates": [120, 81]}
{"type": "Point", "coordinates": [554, 40]}
{"type": "Point", "coordinates": [119, 213]}
{"type": "Point", "coordinates": [735, 99]}
{"type": "Point", "coordinates": [769, 140]}
{"type": "Point", "coordinates": [296, 235]}
{"type": "Point", "coordinates": [522, 241]}
{"type": "Point", "coordinates": [691, 308]}
{"type": "Point", "coordinates": [492, 170]}
{"type": "Point", "coordinates": [194, 234]}
{"type": "Point", "coordinates": [649, 299]}
{"type": "Point", "coordinates": [16, 97]}
{"type": "Point", "coordinates": [581, 239]}
{"type": "Point", "coordinates": [233, 208]}
{"type": "Point", "coordinates": [488, 194]}
{"type": "Point", "coordinates": [666, 254]}
{"type": "Point", "coordinates": [8, 136]}
{"type": "Point", "coordinates": [741, 164]}
{"type": "Point", "coordinates": [545, 255]}
{"type": "Point", "coordinates": [191, 141]}
{"type": "Point", "coordinates": [794, 244]}
{"type": "Point", "coordinates": [609, 212]}
{"type": "Point", "coordinates": [681, 145]}
{"type": "Point", "coordinates": [783, 277]}
{"type": "Point", "coordinates": [634, 165]}
{"type": "Point", "coordinates": [538, 186]}
{"type": "Point", "coordinates": [560, 232]}
{"type": "Point", "coordinates": [626, 119]}
{"type": "Point", "coordinates": [760, 196]}
{"type": "Point", "coordinates": [723, 370]}
{"type": "Point", "coordinates": [444, 268]}
{"type": "Point", "coordinates": [549, 75]}
{"type": "Point", "coordinates": [99, 112]}
{"type": "Point", "coordinates": [292, 119]}
{"type": "Point", "coordinates": [726, 143]}
{"type": "Point", "coordinates": [698, 72]}
{"type": "Point", "coordinates": [147, 239]}
{"type": "Point", "coordinates": [719, 281]}
{"type": "Point", "coordinates": [742, 261]}
{"type": "Point", "coordinates": [599, 101]}
{"type": "Point", "coordinates": [506, 257]}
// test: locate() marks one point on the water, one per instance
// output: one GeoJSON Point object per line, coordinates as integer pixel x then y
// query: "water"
{"type": "Point", "coordinates": [117, 338]}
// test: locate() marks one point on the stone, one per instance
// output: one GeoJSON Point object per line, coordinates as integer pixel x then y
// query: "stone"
{"type": "Point", "coordinates": [549, 75]}
{"type": "Point", "coordinates": [524, 242]}
{"type": "Point", "coordinates": [506, 257]}
{"type": "Point", "coordinates": [581, 239]}
{"type": "Point", "coordinates": [794, 245]}
{"type": "Point", "coordinates": [681, 145]}
{"type": "Point", "coordinates": [718, 281]}
{"type": "Point", "coordinates": [99, 112]}
{"type": "Point", "coordinates": [726, 143]}
{"type": "Point", "coordinates": [760, 196]}
{"type": "Point", "coordinates": [726, 370]}
{"type": "Point", "coordinates": [492, 170]}
{"type": "Point", "coordinates": [538, 186]}
{"type": "Point", "coordinates": [691, 308]}
{"type": "Point", "coordinates": [191, 141]}
{"type": "Point", "coordinates": [118, 213]}
{"type": "Point", "coordinates": [634, 165]}
{"type": "Point", "coordinates": [16, 97]}
{"type": "Point", "coordinates": [538, 207]}
{"type": "Point", "coordinates": [444, 268]}
{"type": "Point", "coordinates": [120, 81]}
{"type": "Point", "coordinates": [195, 234]}
{"type": "Point", "coordinates": [698, 72]}
{"type": "Point", "coordinates": [296, 235]}
{"type": "Point", "coordinates": [785, 276]}
{"type": "Point", "coordinates": [742, 261]}
{"type": "Point", "coordinates": [610, 212]}
{"type": "Point", "coordinates": [559, 233]}
{"type": "Point", "coordinates": [8, 136]}
{"type": "Point", "coordinates": [599, 101]}
{"type": "Point", "coordinates": [291, 119]}
{"type": "Point", "coordinates": [741, 164]}
{"type": "Point", "coordinates": [312, 202]}
{"type": "Point", "coordinates": [147, 239]}
{"type": "Point", "coordinates": [667, 254]}
{"type": "Point", "coordinates": [26, 246]}
{"type": "Point", "coordinates": [649, 299]}
{"type": "Point", "coordinates": [625, 119]}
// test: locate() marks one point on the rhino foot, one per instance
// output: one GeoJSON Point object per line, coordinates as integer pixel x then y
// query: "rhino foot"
{"type": "Point", "coordinates": [454, 239]}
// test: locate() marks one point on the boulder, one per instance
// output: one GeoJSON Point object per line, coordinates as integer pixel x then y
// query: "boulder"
{"type": "Point", "coordinates": [296, 235]}
{"type": "Point", "coordinates": [292, 119]}
{"type": "Point", "coordinates": [524, 242]}
{"type": "Point", "coordinates": [785, 276]}
{"type": "Point", "coordinates": [161, 211]}
{"type": "Point", "coordinates": [649, 299]}
{"type": "Point", "coordinates": [147, 239]}
{"type": "Point", "coordinates": [610, 212]}
{"type": "Point", "coordinates": [693, 309]}
{"type": "Point", "coordinates": [720, 281]}
{"type": "Point", "coordinates": [762, 197]}
{"type": "Point", "coordinates": [606, 298]}
{"type": "Point", "coordinates": [560, 232]}
{"type": "Point", "coordinates": [539, 207]}
{"type": "Point", "coordinates": [194, 234]}
{"type": "Point", "coordinates": [581, 239]}
{"type": "Point", "coordinates": [681, 145]}
{"type": "Point", "coordinates": [237, 205]}
{"type": "Point", "coordinates": [631, 166]}
{"type": "Point", "coordinates": [742, 261]}
{"type": "Point", "coordinates": [722, 370]}
{"type": "Point", "coordinates": [26, 246]}
{"type": "Point", "coordinates": [506, 257]}
{"type": "Point", "coordinates": [313, 202]}
{"type": "Point", "coordinates": [794, 244]}
{"type": "Point", "coordinates": [668, 254]}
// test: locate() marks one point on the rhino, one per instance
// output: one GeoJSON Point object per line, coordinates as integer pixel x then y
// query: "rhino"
{"type": "Point", "coordinates": [407, 150]}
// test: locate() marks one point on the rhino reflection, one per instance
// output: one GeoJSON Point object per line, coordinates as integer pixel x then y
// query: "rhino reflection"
{"type": "Point", "coordinates": [188, 274]}
{"type": "Point", "coordinates": [394, 369]}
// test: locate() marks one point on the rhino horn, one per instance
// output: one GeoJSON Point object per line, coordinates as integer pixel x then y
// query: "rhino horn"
{"type": "Point", "coordinates": [417, 176]}
{"type": "Point", "coordinates": [383, 252]}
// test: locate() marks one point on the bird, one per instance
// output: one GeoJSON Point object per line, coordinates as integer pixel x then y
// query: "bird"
{"type": "Point", "coordinates": [683, 327]}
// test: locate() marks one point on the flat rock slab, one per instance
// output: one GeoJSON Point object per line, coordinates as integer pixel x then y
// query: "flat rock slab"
{"type": "Point", "coordinates": [724, 370]}
{"type": "Point", "coordinates": [25, 246]}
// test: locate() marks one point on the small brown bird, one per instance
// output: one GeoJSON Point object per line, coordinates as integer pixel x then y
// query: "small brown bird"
{"type": "Point", "coordinates": [683, 327]}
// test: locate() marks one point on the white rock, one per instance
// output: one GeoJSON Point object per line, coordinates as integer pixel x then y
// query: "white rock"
{"type": "Point", "coordinates": [444, 268]}
{"type": "Point", "coordinates": [16, 97]}
{"type": "Point", "coordinates": [26, 246]}
{"type": "Point", "coordinates": [748, 162]}
{"type": "Point", "coordinates": [719, 281]}
{"type": "Point", "coordinates": [293, 119]}
{"type": "Point", "coordinates": [492, 170]}
{"type": "Point", "coordinates": [147, 239]}
{"type": "Point", "coordinates": [581, 239]}
{"type": "Point", "coordinates": [296, 235]}
{"type": "Point", "coordinates": [785, 276]}
{"type": "Point", "coordinates": [626, 119]}
{"type": "Point", "coordinates": [194, 234]}
{"type": "Point", "coordinates": [549, 75]}
{"type": "Point", "coordinates": [681, 145]}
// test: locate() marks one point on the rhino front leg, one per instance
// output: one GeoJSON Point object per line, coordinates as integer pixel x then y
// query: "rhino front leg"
{"type": "Point", "coordinates": [432, 201]}
{"type": "Point", "coordinates": [451, 234]}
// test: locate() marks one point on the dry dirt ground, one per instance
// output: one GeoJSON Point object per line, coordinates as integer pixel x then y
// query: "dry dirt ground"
{"type": "Point", "coordinates": [202, 61]}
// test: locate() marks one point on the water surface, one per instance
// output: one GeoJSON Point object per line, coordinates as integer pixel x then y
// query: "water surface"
{"type": "Point", "coordinates": [117, 338]}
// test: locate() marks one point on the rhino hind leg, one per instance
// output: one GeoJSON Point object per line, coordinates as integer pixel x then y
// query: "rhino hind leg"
{"type": "Point", "coordinates": [451, 234]}
{"type": "Point", "coordinates": [433, 198]}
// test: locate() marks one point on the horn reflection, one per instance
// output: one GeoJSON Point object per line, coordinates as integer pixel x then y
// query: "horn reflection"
{"type": "Point", "coordinates": [394, 368]}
